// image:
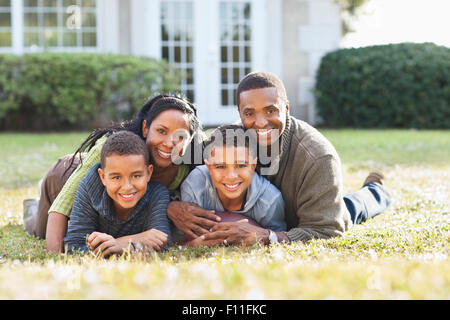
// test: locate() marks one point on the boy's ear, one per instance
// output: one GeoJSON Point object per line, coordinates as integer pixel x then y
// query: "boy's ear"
{"type": "Point", "coordinates": [144, 129]}
{"type": "Point", "coordinates": [150, 171]}
{"type": "Point", "coordinates": [101, 173]}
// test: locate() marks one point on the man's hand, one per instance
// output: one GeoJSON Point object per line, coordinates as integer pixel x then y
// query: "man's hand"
{"type": "Point", "coordinates": [106, 244]}
{"type": "Point", "coordinates": [193, 220]}
{"type": "Point", "coordinates": [236, 233]}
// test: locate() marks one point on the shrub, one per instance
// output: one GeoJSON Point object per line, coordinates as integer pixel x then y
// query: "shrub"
{"type": "Point", "coordinates": [399, 85]}
{"type": "Point", "coordinates": [52, 91]}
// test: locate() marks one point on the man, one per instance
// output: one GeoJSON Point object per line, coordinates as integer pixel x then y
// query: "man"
{"type": "Point", "coordinates": [304, 166]}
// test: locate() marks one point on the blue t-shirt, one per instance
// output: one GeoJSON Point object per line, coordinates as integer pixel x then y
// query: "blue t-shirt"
{"type": "Point", "coordinates": [263, 202]}
{"type": "Point", "coordinates": [93, 210]}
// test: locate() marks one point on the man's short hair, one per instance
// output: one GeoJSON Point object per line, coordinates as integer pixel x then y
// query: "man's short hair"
{"type": "Point", "coordinates": [259, 80]}
{"type": "Point", "coordinates": [124, 143]}
{"type": "Point", "coordinates": [231, 135]}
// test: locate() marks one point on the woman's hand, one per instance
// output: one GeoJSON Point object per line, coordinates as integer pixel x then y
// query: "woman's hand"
{"type": "Point", "coordinates": [193, 220]}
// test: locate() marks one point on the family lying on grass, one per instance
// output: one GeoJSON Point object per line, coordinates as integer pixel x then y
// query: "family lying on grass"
{"type": "Point", "coordinates": [141, 185]}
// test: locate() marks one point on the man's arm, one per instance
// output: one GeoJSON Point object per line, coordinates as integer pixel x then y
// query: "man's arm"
{"type": "Point", "coordinates": [320, 207]}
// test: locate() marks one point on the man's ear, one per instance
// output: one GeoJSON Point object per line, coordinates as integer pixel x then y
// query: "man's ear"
{"type": "Point", "coordinates": [144, 129]}
{"type": "Point", "coordinates": [150, 172]}
{"type": "Point", "coordinates": [287, 105]}
{"type": "Point", "coordinates": [101, 173]}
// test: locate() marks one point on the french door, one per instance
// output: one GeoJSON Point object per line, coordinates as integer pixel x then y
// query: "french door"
{"type": "Point", "coordinates": [214, 43]}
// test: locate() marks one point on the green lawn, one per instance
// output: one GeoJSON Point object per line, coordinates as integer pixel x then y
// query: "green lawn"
{"type": "Point", "coordinates": [401, 254]}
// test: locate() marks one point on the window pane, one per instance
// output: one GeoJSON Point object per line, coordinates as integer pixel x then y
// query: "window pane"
{"type": "Point", "coordinates": [89, 39]}
{"type": "Point", "coordinates": [5, 3]}
{"type": "Point", "coordinates": [235, 54]}
{"type": "Point", "coordinates": [31, 39]}
{"type": "Point", "coordinates": [224, 97]}
{"type": "Point", "coordinates": [31, 20]}
{"type": "Point", "coordinates": [190, 76]}
{"type": "Point", "coordinates": [247, 33]}
{"type": "Point", "coordinates": [189, 57]}
{"type": "Point", "coordinates": [58, 28]}
{"type": "Point", "coordinates": [88, 3]}
{"type": "Point", "coordinates": [247, 54]}
{"type": "Point", "coordinates": [50, 38]}
{"type": "Point", "coordinates": [67, 3]}
{"type": "Point", "coordinates": [224, 75]}
{"type": "Point", "coordinates": [5, 19]}
{"type": "Point", "coordinates": [5, 39]}
{"type": "Point", "coordinates": [177, 54]}
{"type": "Point", "coordinates": [247, 11]}
{"type": "Point", "coordinates": [190, 95]}
{"type": "Point", "coordinates": [165, 53]}
{"type": "Point", "coordinates": [88, 19]}
{"type": "Point", "coordinates": [224, 55]}
{"type": "Point", "coordinates": [236, 76]}
{"type": "Point", "coordinates": [164, 32]}
{"type": "Point", "coordinates": [50, 3]}
{"type": "Point", "coordinates": [70, 39]}
{"type": "Point", "coordinates": [50, 20]}
{"type": "Point", "coordinates": [30, 3]}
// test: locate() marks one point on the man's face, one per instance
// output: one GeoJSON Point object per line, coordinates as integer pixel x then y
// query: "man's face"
{"type": "Point", "coordinates": [231, 169]}
{"type": "Point", "coordinates": [265, 112]}
{"type": "Point", "coordinates": [125, 178]}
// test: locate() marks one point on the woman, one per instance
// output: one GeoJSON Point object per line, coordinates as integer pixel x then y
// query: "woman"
{"type": "Point", "coordinates": [167, 123]}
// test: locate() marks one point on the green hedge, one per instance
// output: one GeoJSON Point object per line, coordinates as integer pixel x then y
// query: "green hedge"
{"type": "Point", "coordinates": [62, 91]}
{"type": "Point", "coordinates": [399, 85]}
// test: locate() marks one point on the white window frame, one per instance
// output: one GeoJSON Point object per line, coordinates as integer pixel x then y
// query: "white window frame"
{"type": "Point", "coordinates": [147, 41]}
{"type": "Point", "coordinates": [17, 30]}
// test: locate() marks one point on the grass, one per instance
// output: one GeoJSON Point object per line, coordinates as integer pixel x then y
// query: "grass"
{"type": "Point", "coordinates": [400, 254]}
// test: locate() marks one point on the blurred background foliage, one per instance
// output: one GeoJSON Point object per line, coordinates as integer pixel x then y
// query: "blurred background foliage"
{"type": "Point", "coordinates": [404, 85]}
{"type": "Point", "coordinates": [64, 91]}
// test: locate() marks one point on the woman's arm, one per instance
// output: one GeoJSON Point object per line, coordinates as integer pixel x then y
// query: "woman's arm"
{"type": "Point", "coordinates": [61, 208]}
{"type": "Point", "coordinates": [56, 230]}
{"type": "Point", "coordinates": [64, 201]}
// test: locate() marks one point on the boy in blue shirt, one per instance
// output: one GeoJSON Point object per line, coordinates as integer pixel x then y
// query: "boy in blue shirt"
{"type": "Point", "coordinates": [229, 185]}
{"type": "Point", "coordinates": [116, 205]}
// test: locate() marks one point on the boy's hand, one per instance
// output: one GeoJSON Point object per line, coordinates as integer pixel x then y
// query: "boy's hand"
{"type": "Point", "coordinates": [153, 239]}
{"type": "Point", "coordinates": [193, 220]}
{"type": "Point", "coordinates": [106, 244]}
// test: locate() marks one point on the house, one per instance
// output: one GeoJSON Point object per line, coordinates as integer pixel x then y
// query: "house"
{"type": "Point", "coordinates": [215, 42]}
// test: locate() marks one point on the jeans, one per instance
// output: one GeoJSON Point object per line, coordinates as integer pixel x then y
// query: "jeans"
{"type": "Point", "coordinates": [367, 202]}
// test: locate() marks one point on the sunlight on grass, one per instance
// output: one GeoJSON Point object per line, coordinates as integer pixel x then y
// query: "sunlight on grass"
{"type": "Point", "coordinates": [400, 254]}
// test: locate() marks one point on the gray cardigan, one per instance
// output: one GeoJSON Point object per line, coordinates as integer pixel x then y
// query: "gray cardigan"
{"type": "Point", "coordinates": [310, 180]}
{"type": "Point", "coordinates": [93, 210]}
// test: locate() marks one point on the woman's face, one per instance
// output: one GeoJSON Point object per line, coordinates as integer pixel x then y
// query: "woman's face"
{"type": "Point", "coordinates": [167, 137]}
